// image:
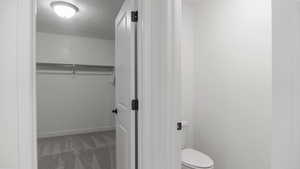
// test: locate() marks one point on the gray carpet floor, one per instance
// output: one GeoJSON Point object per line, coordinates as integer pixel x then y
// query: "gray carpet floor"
{"type": "Point", "coordinates": [83, 151]}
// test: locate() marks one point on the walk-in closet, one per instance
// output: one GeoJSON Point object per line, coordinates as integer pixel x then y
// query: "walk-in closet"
{"type": "Point", "coordinates": [75, 84]}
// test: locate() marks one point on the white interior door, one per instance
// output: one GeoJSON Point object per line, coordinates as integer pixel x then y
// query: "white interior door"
{"type": "Point", "coordinates": [125, 68]}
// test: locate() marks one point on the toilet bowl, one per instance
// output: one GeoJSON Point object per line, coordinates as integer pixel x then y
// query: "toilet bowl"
{"type": "Point", "coordinates": [193, 159]}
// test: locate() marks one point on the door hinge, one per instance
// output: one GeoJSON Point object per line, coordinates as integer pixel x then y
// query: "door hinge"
{"type": "Point", "coordinates": [134, 16]}
{"type": "Point", "coordinates": [135, 104]}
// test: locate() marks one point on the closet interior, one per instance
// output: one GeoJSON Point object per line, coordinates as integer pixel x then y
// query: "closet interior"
{"type": "Point", "coordinates": [75, 86]}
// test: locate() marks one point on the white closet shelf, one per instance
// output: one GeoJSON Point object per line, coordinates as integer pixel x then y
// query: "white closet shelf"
{"type": "Point", "coordinates": [62, 68]}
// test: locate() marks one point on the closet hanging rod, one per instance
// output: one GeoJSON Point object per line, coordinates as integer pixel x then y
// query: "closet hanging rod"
{"type": "Point", "coordinates": [74, 68]}
{"type": "Point", "coordinates": [67, 65]}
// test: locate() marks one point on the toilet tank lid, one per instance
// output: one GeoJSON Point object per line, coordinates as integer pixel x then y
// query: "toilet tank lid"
{"type": "Point", "coordinates": [196, 159]}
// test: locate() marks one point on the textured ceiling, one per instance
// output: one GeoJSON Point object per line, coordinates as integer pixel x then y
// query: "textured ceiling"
{"type": "Point", "coordinates": [94, 19]}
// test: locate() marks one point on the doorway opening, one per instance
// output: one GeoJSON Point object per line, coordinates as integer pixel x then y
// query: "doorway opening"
{"type": "Point", "coordinates": [226, 84]}
{"type": "Point", "coordinates": [86, 84]}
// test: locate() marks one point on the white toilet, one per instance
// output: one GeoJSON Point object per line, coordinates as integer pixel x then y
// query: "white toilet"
{"type": "Point", "coordinates": [193, 159]}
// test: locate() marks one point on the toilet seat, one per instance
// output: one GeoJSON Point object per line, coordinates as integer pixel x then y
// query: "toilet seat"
{"type": "Point", "coordinates": [195, 159]}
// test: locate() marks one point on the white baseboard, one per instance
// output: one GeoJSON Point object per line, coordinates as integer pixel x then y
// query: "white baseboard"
{"type": "Point", "coordinates": [74, 131]}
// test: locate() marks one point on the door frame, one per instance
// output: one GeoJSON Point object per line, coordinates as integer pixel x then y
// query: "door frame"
{"type": "Point", "coordinates": [159, 82]}
{"type": "Point", "coordinates": [26, 99]}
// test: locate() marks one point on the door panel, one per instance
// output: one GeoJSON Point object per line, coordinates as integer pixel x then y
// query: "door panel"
{"type": "Point", "coordinates": [125, 87]}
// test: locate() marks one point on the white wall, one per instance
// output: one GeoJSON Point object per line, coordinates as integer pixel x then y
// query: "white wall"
{"type": "Point", "coordinates": [286, 83]}
{"type": "Point", "coordinates": [16, 65]}
{"type": "Point", "coordinates": [232, 121]}
{"type": "Point", "coordinates": [69, 104]}
{"type": "Point", "coordinates": [188, 69]}
{"type": "Point", "coordinates": [8, 96]}
{"type": "Point", "coordinates": [74, 49]}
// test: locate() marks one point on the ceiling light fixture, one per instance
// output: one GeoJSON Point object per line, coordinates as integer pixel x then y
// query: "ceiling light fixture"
{"type": "Point", "coordinates": [64, 9]}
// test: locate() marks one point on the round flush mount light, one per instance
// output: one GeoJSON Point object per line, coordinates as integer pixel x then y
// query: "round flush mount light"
{"type": "Point", "coordinates": [64, 9]}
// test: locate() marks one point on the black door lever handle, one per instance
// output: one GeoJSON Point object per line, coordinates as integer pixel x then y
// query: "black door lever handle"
{"type": "Point", "coordinates": [115, 111]}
